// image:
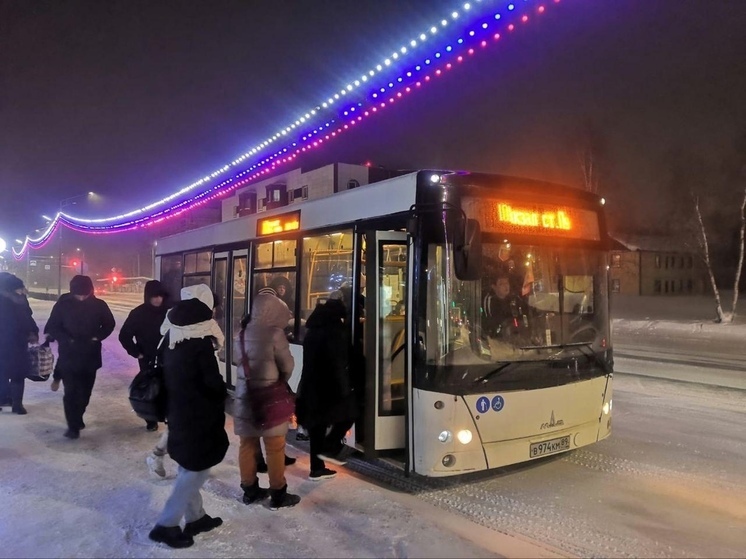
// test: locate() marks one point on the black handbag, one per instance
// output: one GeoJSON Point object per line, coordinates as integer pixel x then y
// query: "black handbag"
{"type": "Point", "coordinates": [147, 392]}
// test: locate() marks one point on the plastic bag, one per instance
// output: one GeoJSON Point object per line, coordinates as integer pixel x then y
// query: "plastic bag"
{"type": "Point", "coordinates": [42, 362]}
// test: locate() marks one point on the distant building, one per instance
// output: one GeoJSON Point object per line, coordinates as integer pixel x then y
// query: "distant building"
{"type": "Point", "coordinates": [655, 265]}
{"type": "Point", "coordinates": [296, 185]}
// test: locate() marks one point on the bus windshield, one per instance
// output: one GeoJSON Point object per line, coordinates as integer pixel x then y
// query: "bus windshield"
{"type": "Point", "coordinates": [539, 317]}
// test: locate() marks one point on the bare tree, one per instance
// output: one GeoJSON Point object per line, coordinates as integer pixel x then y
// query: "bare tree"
{"type": "Point", "coordinates": [735, 172]}
{"type": "Point", "coordinates": [705, 249]}
{"type": "Point", "coordinates": [592, 152]}
{"type": "Point", "coordinates": [739, 267]}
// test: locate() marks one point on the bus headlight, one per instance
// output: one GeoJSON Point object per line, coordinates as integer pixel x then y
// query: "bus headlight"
{"type": "Point", "coordinates": [444, 436]}
{"type": "Point", "coordinates": [464, 436]}
{"type": "Point", "coordinates": [607, 407]}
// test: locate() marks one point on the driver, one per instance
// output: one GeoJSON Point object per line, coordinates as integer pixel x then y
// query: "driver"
{"type": "Point", "coordinates": [503, 310]}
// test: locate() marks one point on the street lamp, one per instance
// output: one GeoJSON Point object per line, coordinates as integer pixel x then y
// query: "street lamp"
{"type": "Point", "coordinates": [64, 203]}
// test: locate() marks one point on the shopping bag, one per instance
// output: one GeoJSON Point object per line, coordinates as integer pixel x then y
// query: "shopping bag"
{"type": "Point", "coordinates": [42, 362]}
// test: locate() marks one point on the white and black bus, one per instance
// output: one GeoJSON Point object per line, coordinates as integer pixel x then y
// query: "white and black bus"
{"type": "Point", "coordinates": [446, 389]}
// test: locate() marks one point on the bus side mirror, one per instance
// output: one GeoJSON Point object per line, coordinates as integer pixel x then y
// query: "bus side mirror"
{"type": "Point", "coordinates": [467, 251]}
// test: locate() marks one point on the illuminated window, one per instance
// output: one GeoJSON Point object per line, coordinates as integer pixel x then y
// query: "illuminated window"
{"type": "Point", "coordinates": [616, 260]}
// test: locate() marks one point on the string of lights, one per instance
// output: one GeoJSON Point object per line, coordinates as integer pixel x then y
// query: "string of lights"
{"type": "Point", "coordinates": [401, 81]}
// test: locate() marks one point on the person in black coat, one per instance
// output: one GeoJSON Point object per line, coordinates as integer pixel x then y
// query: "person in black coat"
{"type": "Point", "coordinates": [17, 329]}
{"type": "Point", "coordinates": [196, 413]}
{"type": "Point", "coordinates": [79, 323]}
{"type": "Point", "coordinates": [325, 394]}
{"type": "Point", "coordinates": [141, 332]}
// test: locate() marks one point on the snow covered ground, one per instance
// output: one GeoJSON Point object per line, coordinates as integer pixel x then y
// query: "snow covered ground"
{"type": "Point", "coordinates": [94, 497]}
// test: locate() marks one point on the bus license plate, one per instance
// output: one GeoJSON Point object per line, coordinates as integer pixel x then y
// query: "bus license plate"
{"type": "Point", "coordinates": [549, 447]}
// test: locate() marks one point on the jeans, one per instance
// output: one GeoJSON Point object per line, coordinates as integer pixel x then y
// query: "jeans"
{"type": "Point", "coordinates": [185, 500]}
{"type": "Point", "coordinates": [247, 451]}
{"type": "Point", "coordinates": [161, 447]}
{"type": "Point", "coordinates": [78, 388]}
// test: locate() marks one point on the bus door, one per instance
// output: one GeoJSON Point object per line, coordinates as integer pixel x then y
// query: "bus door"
{"type": "Point", "coordinates": [385, 341]}
{"type": "Point", "coordinates": [220, 287]}
{"type": "Point", "coordinates": [238, 308]}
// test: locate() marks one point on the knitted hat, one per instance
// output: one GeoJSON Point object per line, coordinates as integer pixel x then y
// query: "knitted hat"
{"type": "Point", "coordinates": [9, 282]}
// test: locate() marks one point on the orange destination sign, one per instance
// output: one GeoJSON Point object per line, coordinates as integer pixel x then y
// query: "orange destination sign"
{"type": "Point", "coordinates": [278, 224]}
{"type": "Point", "coordinates": [533, 218]}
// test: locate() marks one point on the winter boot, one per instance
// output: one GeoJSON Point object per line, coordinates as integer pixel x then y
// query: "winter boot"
{"type": "Point", "coordinates": [204, 524]}
{"type": "Point", "coordinates": [280, 498]}
{"type": "Point", "coordinates": [155, 464]}
{"type": "Point", "coordinates": [253, 493]}
{"type": "Point", "coordinates": [172, 536]}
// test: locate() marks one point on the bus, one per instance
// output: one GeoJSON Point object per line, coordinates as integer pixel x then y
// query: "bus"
{"type": "Point", "coordinates": [440, 392]}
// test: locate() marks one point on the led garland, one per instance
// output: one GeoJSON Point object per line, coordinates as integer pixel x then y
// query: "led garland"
{"type": "Point", "coordinates": [288, 153]}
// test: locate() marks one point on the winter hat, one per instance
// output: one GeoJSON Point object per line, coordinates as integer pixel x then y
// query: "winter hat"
{"type": "Point", "coordinates": [9, 282]}
{"type": "Point", "coordinates": [154, 288]}
{"type": "Point", "coordinates": [201, 292]}
{"type": "Point", "coordinates": [81, 285]}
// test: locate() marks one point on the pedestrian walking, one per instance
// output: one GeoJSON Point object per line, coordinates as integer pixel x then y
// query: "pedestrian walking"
{"type": "Point", "coordinates": [79, 323]}
{"type": "Point", "coordinates": [195, 394]}
{"type": "Point", "coordinates": [325, 395]}
{"type": "Point", "coordinates": [141, 332]}
{"type": "Point", "coordinates": [17, 330]}
{"type": "Point", "coordinates": [261, 408]}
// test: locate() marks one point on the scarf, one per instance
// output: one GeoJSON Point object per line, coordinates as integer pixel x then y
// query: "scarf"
{"type": "Point", "coordinates": [204, 329]}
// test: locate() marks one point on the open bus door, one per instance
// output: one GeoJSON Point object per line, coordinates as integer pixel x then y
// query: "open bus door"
{"type": "Point", "coordinates": [385, 336]}
{"type": "Point", "coordinates": [220, 288]}
{"type": "Point", "coordinates": [230, 284]}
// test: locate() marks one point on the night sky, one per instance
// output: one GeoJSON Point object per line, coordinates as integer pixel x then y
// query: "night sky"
{"type": "Point", "coordinates": [136, 99]}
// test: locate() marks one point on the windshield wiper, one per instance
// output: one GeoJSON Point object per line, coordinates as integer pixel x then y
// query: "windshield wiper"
{"type": "Point", "coordinates": [503, 368]}
{"type": "Point", "coordinates": [589, 354]}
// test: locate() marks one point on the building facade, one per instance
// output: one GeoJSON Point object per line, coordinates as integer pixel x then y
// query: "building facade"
{"type": "Point", "coordinates": [647, 265]}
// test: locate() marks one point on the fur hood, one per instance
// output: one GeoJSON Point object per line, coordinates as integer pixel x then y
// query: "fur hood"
{"type": "Point", "coordinates": [268, 310]}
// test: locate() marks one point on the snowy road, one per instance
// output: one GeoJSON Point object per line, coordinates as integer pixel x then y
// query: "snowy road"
{"type": "Point", "coordinates": [669, 482]}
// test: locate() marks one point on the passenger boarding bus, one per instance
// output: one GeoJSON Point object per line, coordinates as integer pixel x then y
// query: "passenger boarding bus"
{"type": "Point", "coordinates": [445, 385]}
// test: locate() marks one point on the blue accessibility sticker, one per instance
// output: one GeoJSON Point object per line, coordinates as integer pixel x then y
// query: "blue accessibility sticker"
{"type": "Point", "coordinates": [498, 402]}
{"type": "Point", "coordinates": [483, 404]}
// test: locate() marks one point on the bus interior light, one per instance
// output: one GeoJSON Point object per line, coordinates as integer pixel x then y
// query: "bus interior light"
{"type": "Point", "coordinates": [464, 436]}
{"type": "Point", "coordinates": [445, 436]}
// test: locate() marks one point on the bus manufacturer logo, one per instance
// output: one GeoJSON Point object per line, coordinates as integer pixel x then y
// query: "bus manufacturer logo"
{"type": "Point", "coordinates": [552, 422]}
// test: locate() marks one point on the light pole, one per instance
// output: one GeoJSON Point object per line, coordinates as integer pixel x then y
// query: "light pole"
{"type": "Point", "coordinates": [64, 203]}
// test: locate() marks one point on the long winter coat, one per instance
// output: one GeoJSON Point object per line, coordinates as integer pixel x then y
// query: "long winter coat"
{"type": "Point", "coordinates": [325, 394]}
{"type": "Point", "coordinates": [16, 328]}
{"type": "Point", "coordinates": [269, 360]}
{"type": "Point", "coordinates": [196, 394]}
{"type": "Point", "coordinates": [75, 324]}
{"type": "Point", "coordinates": [141, 332]}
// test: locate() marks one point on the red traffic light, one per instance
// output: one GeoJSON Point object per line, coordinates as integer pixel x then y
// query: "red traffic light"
{"type": "Point", "coordinates": [114, 279]}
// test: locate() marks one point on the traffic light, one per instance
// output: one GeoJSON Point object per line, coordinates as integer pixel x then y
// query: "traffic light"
{"type": "Point", "coordinates": [114, 279]}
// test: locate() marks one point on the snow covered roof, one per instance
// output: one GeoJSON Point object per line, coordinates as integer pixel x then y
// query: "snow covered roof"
{"type": "Point", "coordinates": [652, 243]}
